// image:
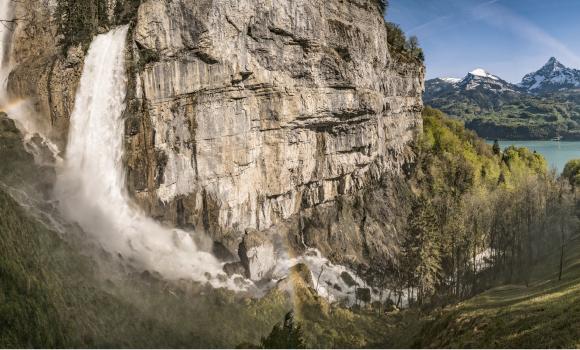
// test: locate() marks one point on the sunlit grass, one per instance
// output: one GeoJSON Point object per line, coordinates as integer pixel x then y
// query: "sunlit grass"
{"type": "Point", "coordinates": [545, 314]}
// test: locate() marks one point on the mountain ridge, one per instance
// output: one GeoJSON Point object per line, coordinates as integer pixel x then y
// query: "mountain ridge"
{"type": "Point", "coordinates": [552, 76]}
{"type": "Point", "coordinates": [544, 105]}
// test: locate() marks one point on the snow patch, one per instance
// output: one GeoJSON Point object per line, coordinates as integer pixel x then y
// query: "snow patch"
{"type": "Point", "coordinates": [451, 80]}
{"type": "Point", "coordinates": [480, 72]}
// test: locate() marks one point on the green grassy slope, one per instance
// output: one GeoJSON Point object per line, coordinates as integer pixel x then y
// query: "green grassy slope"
{"type": "Point", "coordinates": [544, 315]}
{"type": "Point", "coordinates": [51, 295]}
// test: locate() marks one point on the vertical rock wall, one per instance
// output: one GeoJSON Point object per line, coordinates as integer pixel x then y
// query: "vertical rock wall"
{"type": "Point", "coordinates": [287, 117]}
{"type": "Point", "coordinates": [249, 114]}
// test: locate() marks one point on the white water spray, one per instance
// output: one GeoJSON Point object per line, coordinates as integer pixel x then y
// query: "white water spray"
{"type": "Point", "coordinates": [91, 185]}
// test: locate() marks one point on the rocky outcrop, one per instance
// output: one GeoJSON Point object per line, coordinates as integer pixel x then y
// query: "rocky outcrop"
{"type": "Point", "coordinates": [255, 114]}
{"type": "Point", "coordinates": [41, 73]}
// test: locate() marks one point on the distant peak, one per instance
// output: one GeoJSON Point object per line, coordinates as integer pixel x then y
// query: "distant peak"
{"type": "Point", "coordinates": [451, 80]}
{"type": "Point", "coordinates": [480, 72]}
{"type": "Point", "coordinates": [553, 62]}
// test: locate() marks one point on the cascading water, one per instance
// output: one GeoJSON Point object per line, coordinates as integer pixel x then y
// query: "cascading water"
{"type": "Point", "coordinates": [91, 184]}
{"type": "Point", "coordinates": [5, 30]}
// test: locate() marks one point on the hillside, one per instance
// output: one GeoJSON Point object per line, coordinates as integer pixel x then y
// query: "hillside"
{"type": "Point", "coordinates": [546, 314]}
{"type": "Point", "coordinates": [60, 289]}
{"type": "Point", "coordinates": [527, 307]}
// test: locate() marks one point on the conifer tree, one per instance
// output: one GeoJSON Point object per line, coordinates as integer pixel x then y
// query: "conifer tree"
{"type": "Point", "coordinates": [421, 249]}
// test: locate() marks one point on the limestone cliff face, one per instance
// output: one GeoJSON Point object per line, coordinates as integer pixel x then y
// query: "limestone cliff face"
{"type": "Point", "coordinates": [263, 114]}
{"type": "Point", "coordinates": [250, 118]}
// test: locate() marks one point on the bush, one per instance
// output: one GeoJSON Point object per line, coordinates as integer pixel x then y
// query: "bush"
{"type": "Point", "coordinates": [402, 46]}
{"type": "Point", "coordinates": [79, 20]}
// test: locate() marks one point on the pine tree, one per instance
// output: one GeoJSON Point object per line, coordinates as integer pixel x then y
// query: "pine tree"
{"type": "Point", "coordinates": [421, 249]}
{"type": "Point", "coordinates": [496, 148]}
{"type": "Point", "coordinates": [78, 20]}
{"type": "Point", "coordinates": [287, 335]}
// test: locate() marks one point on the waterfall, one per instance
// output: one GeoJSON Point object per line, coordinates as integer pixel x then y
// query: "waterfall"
{"type": "Point", "coordinates": [91, 184]}
{"type": "Point", "coordinates": [5, 30]}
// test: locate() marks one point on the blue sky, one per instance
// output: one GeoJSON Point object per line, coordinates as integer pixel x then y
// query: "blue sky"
{"type": "Point", "coordinates": [508, 38]}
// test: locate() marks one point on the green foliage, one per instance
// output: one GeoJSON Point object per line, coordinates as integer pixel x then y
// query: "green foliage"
{"type": "Point", "coordinates": [511, 115]}
{"type": "Point", "coordinates": [473, 200]}
{"type": "Point", "coordinates": [79, 20]}
{"type": "Point", "coordinates": [51, 296]}
{"type": "Point", "coordinates": [544, 314]}
{"type": "Point", "coordinates": [496, 148]}
{"type": "Point", "coordinates": [28, 318]}
{"type": "Point", "coordinates": [286, 335]}
{"type": "Point", "coordinates": [395, 36]}
{"type": "Point", "coordinates": [383, 4]}
{"type": "Point", "coordinates": [421, 249]}
{"type": "Point", "coordinates": [60, 294]}
{"type": "Point", "coordinates": [401, 46]}
{"type": "Point", "coordinates": [572, 172]}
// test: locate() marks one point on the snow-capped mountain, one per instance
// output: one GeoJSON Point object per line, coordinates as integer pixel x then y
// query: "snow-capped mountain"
{"type": "Point", "coordinates": [481, 79]}
{"type": "Point", "coordinates": [477, 81]}
{"type": "Point", "coordinates": [451, 80]}
{"type": "Point", "coordinates": [544, 105]}
{"type": "Point", "coordinates": [553, 76]}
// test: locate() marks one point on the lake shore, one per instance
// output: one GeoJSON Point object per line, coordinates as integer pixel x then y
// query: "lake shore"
{"type": "Point", "coordinates": [557, 153]}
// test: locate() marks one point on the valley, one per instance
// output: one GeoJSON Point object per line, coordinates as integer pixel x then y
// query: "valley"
{"type": "Point", "coordinates": [276, 174]}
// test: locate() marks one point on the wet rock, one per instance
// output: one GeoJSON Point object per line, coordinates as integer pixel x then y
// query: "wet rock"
{"type": "Point", "coordinates": [363, 294]}
{"type": "Point", "coordinates": [234, 268]}
{"type": "Point", "coordinates": [264, 115]}
{"type": "Point", "coordinates": [257, 255]}
{"type": "Point", "coordinates": [251, 115]}
{"type": "Point", "coordinates": [348, 279]}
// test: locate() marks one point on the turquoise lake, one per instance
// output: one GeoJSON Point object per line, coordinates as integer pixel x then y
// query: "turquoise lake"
{"type": "Point", "coordinates": [557, 153]}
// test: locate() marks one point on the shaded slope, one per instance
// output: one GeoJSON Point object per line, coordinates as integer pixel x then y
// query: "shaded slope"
{"type": "Point", "coordinates": [544, 315]}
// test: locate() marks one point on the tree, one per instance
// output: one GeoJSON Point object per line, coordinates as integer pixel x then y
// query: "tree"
{"type": "Point", "coordinates": [421, 250]}
{"type": "Point", "coordinates": [395, 36]}
{"type": "Point", "coordinates": [572, 173]}
{"type": "Point", "coordinates": [413, 43]}
{"type": "Point", "coordinates": [496, 148]}
{"type": "Point", "coordinates": [286, 335]}
{"type": "Point", "coordinates": [383, 4]}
